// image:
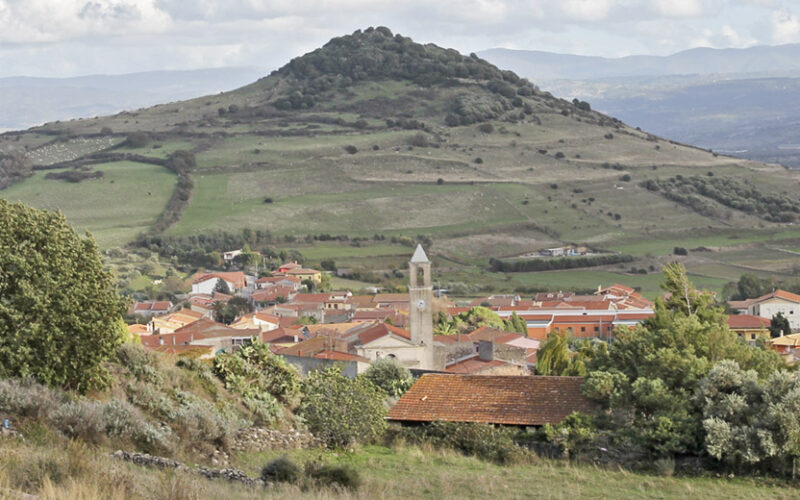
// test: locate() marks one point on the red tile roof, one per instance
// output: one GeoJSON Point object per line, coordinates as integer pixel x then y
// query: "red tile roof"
{"type": "Point", "coordinates": [473, 365]}
{"type": "Point", "coordinates": [783, 294]}
{"type": "Point", "coordinates": [380, 330]}
{"type": "Point", "coordinates": [747, 321]}
{"type": "Point", "coordinates": [340, 356]}
{"type": "Point", "coordinates": [236, 277]}
{"type": "Point", "coordinates": [152, 306]}
{"type": "Point", "coordinates": [492, 335]}
{"type": "Point", "coordinates": [509, 400]}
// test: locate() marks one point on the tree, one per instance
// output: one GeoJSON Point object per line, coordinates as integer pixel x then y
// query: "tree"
{"type": "Point", "coordinates": [779, 326]}
{"type": "Point", "coordinates": [341, 411]}
{"type": "Point", "coordinates": [227, 312]}
{"type": "Point", "coordinates": [553, 356]}
{"type": "Point", "coordinates": [222, 287]}
{"type": "Point", "coordinates": [391, 376]}
{"type": "Point", "coordinates": [650, 373]}
{"type": "Point", "coordinates": [749, 421]}
{"type": "Point", "coordinates": [516, 324]}
{"type": "Point", "coordinates": [60, 316]}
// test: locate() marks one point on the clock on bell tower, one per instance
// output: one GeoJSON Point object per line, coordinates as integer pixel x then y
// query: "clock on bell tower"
{"type": "Point", "coordinates": [420, 296]}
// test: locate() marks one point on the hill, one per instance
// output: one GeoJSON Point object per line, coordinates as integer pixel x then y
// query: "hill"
{"type": "Point", "coordinates": [734, 101]}
{"type": "Point", "coordinates": [29, 101]}
{"type": "Point", "coordinates": [376, 134]}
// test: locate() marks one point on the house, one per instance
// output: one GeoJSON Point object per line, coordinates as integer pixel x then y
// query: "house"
{"type": "Point", "coordinates": [205, 283]}
{"type": "Point", "coordinates": [305, 274]}
{"type": "Point", "coordinates": [288, 267]}
{"type": "Point", "coordinates": [152, 308]}
{"type": "Point", "coordinates": [492, 399]}
{"type": "Point", "coordinates": [273, 295]}
{"type": "Point", "coordinates": [260, 320]}
{"type": "Point", "coordinates": [171, 322]}
{"type": "Point", "coordinates": [779, 301]}
{"type": "Point", "coordinates": [229, 256]}
{"type": "Point", "coordinates": [749, 327]}
{"type": "Point", "coordinates": [205, 332]}
{"type": "Point", "coordinates": [283, 281]}
{"type": "Point", "coordinates": [787, 346]}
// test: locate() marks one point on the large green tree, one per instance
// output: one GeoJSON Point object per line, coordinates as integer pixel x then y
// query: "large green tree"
{"type": "Point", "coordinates": [60, 315]}
{"type": "Point", "coordinates": [650, 374]}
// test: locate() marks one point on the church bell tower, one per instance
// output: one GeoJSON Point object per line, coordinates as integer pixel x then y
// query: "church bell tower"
{"type": "Point", "coordinates": [420, 311]}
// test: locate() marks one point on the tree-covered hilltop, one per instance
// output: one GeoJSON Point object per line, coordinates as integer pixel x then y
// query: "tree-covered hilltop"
{"type": "Point", "coordinates": [376, 53]}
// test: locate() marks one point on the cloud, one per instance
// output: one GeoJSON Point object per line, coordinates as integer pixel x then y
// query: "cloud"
{"type": "Point", "coordinates": [134, 35]}
{"type": "Point", "coordinates": [785, 26]}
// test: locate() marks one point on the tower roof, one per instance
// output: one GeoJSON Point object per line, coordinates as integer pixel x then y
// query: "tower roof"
{"type": "Point", "coordinates": [419, 256]}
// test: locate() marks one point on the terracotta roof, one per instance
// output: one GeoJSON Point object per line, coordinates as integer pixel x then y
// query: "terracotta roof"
{"type": "Point", "coordinates": [492, 335]}
{"type": "Point", "coordinates": [340, 356]}
{"type": "Point", "coordinates": [448, 339]}
{"type": "Point", "coordinates": [380, 330]}
{"type": "Point", "coordinates": [782, 294]}
{"type": "Point", "coordinates": [278, 279]}
{"type": "Point", "coordinates": [272, 293]}
{"type": "Point", "coordinates": [747, 321]}
{"type": "Point", "coordinates": [282, 336]}
{"type": "Point", "coordinates": [311, 298]}
{"type": "Point", "coordinates": [509, 400]}
{"type": "Point", "coordinates": [137, 329]}
{"type": "Point", "coordinates": [152, 306]}
{"type": "Point", "coordinates": [236, 277]}
{"type": "Point", "coordinates": [390, 297]}
{"type": "Point", "coordinates": [740, 304]}
{"type": "Point", "coordinates": [181, 349]}
{"type": "Point", "coordinates": [473, 365]}
{"type": "Point", "coordinates": [792, 340]}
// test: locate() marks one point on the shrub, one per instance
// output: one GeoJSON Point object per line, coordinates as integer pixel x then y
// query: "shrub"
{"type": "Point", "coordinates": [341, 411]}
{"type": "Point", "coordinates": [351, 149]}
{"type": "Point", "coordinates": [478, 160]}
{"type": "Point", "coordinates": [625, 178]}
{"type": "Point", "coordinates": [389, 375]}
{"type": "Point", "coordinates": [559, 155]}
{"type": "Point", "coordinates": [680, 251]}
{"type": "Point", "coordinates": [440, 181]}
{"type": "Point", "coordinates": [495, 444]}
{"type": "Point", "coordinates": [342, 476]}
{"type": "Point", "coordinates": [281, 470]}
{"type": "Point", "coordinates": [486, 128]}
{"type": "Point", "coordinates": [80, 419]}
{"type": "Point", "coordinates": [419, 140]}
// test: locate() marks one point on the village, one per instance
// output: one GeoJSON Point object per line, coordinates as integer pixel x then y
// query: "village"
{"type": "Point", "coordinates": [315, 330]}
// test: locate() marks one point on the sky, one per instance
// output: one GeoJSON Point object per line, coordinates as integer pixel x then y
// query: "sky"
{"type": "Point", "coordinates": [59, 38]}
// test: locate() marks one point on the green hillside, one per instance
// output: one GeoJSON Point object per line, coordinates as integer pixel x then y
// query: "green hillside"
{"type": "Point", "coordinates": [374, 133]}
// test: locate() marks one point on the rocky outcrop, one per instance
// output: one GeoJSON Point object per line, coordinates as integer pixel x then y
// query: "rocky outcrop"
{"type": "Point", "coordinates": [260, 439]}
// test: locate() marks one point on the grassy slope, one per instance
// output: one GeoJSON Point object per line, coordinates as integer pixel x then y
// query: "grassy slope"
{"type": "Point", "coordinates": [387, 473]}
{"type": "Point", "coordinates": [124, 202]}
{"type": "Point", "coordinates": [514, 200]}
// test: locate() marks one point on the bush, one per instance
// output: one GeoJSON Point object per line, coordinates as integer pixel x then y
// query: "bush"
{"type": "Point", "coordinates": [351, 149]}
{"type": "Point", "coordinates": [486, 128]}
{"type": "Point", "coordinates": [341, 411]}
{"type": "Point", "coordinates": [495, 444]}
{"type": "Point", "coordinates": [80, 419]}
{"type": "Point", "coordinates": [342, 476]}
{"type": "Point", "coordinates": [680, 251]}
{"type": "Point", "coordinates": [389, 375]}
{"type": "Point", "coordinates": [281, 470]}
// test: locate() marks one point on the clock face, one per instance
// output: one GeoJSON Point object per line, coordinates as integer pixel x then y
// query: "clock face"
{"type": "Point", "coordinates": [421, 304]}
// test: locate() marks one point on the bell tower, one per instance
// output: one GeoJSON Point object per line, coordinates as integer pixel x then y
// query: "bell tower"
{"type": "Point", "coordinates": [420, 311]}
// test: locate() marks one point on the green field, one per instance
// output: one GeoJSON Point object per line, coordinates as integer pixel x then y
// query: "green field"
{"type": "Point", "coordinates": [114, 208]}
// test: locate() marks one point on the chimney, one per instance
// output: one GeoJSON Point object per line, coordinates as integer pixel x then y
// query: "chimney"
{"type": "Point", "coordinates": [485, 350]}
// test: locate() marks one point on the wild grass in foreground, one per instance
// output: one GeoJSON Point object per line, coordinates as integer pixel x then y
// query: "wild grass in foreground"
{"type": "Point", "coordinates": [77, 471]}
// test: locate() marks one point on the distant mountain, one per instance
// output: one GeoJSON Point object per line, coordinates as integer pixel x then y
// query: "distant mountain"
{"type": "Point", "coordinates": [28, 101]}
{"type": "Point", "coordinates": [780, 60]}
{"type": "Point", "coordinates": [737, 101]}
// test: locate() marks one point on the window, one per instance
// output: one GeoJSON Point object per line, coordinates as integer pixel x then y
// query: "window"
{"type": "Point", "coordinates": [597, 328]}
{"type": "Point", "coordinates": [583, 328]}
{"type": "Point", "coordinates": [752, 336]}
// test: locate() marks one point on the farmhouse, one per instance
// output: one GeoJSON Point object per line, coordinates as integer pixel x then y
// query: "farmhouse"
{"type": "Point", "coordinates": [779, 301]}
